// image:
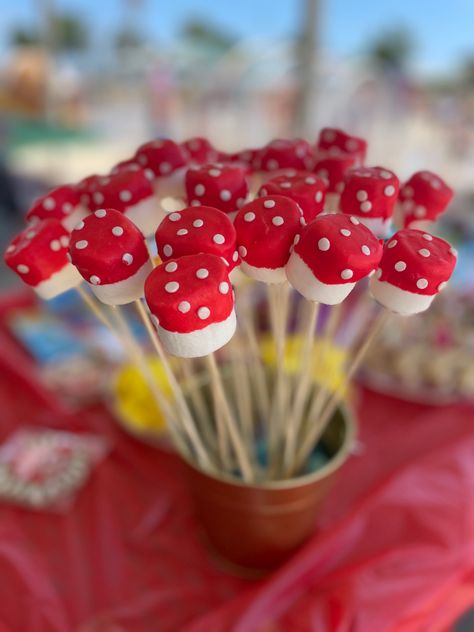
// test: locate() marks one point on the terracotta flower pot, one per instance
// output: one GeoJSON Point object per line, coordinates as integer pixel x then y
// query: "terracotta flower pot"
{"type": "Point", "coordinates": [254, 528]}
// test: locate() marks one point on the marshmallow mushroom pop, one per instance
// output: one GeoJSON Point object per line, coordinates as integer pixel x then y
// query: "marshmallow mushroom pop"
{"type": "Point", "coordinates": [422, 199]}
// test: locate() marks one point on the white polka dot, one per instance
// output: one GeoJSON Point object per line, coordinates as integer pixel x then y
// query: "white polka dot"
{"type": "Point", "coordinates": [95, 280]}
{"type": "Point", "coordinates": [10, 249]}
{"type": "Point", "coordinates": [235, 256]}
{"type": "Point", "coordinates": [354, 220]}
{"type": "Point", "coordinates": [204, 313]}
{"type": "Point", "coordinates": [167, 250]}
{"type": "Point", "coordinates": [283, 185]}
{"type": "Point", "coordinates": [55, 245]}
{"type": "Point", "coordinates": [98, 197]}
{"type": "Point", "coordinates": [117, 231]}
{"type": "Point", "coordinates": [427, 237]}
{"type": "Point", "coordinates": [22, 268]}
{"type": "Point", "coordinates": [278, 220]}
{"type": "Point", "coordinates": [242, 251]}
{"type": "Point", "coordinates": [172, 266]}
{"type": "Point", "coordinates": [64, 241]}
{"type": "Point", "coordinates": [249, 217]}
{"type": "Point", "coordinates": [442, 285]}
{"type": "Point", "coordinates": [224, 287]}
{"type": "Point", "coordinates": [422, 284]}
{"type": "Point", "coordinates": [362, 196]}
{"type": "Point", "coordinates": [386, 175]}
{"type": "Point", "coordinates": [324, 244]}
{"type": "Point", "coordinates": [198, 223]}
{"type": "Point", "coordinates": [224, 260]}
{"type": "Point", "coordinates": [79, 226]}
{"type": "Point", "coordinates": [424, 252]}
{"type": "Point", "coordinates": [165, 167]}
{"type": "Point", "coordinates": [269, 203]}
{"type": "Point", "coordinates": [100, 213]}
{"type": "Point", "coordinates": [202, 273]}
{"type": "Point", "coordinates": [392, 244]}
{"type": "Point", "coordinates": [420, 211]}
{"type": "Point", "coordinates": [296, 240]}
{"type": "Point", "coordinates": [436, 184]}
{"type": "Point", "coordinates": [215, 173]}
{"type": "Point", "coordinates": [323, 173]}
{"type": "Point", "coordinates": [67, 208]}
{"type": "Point", "coordinates": [345, 232]}
{"type": "Point", "coordinates": [149, 175]}
{"type": "Point", "coordinates": [125, 196]}
{"type": "Point", "coordinates": [30, 234]}
{"type": "Point", "coordinates": [171, 287]}
{"type": "Point", "coordinates": [310, 180]}
{"type": "Point", "coordinates": [199, 189]}
{"type": "Point", "coordinates": [218, 238]}
{"type": "Point", "coordinates": [453, 251]}
{"type": "Point", "coordinates": [174, 217]}
{"type": "Point", "coordinates": [400, 266]}
{"type": "Point", "coordinates": [389, 190]}
{"type": "Point", "coordinates": [184, 307]}
{"type": "Point", "coordinates": [80, 245]}
{"type": "Point", "coordinates": [195, 203]}
{"type": "Point", "coordinates": [302, 221]}
{"type": "Point", "coordinates": [127, 258]}
{"type": "Point", "coordinates": [182, 231]}
{"type": "Point", "coordinates": [366, 206]}
{"type": "Point", "coordinates": [365, 250]}
{"type": "Point", "coordinates": [272, 164]}
{"type": "Point", "coordinates": [347, 274]}
{"type": "Point", "coordinates": [225, 195]}
{"type": "Point", "coordinates": [49, 203]}
{"type": "Point", "coordinates": [319, 196]}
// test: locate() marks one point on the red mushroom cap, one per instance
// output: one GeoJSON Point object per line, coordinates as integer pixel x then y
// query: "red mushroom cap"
{"type": "Point", "coordinates": [246, 158]}
{"type": "Point", "coordinates": [417, 262]}
{"type": "Point", "coordinates": [39, 251]}
{"type": "Point", "coordinates": [338, 249]}
{"type": "Point", "coordinates": [333, 171]}
{"type": "Point", "coordinates": [369, 192]}
{"type": "Point", "coordinates": [424, 197]}
{"type": "Point", "coordinates": [222, 186]}
{"type": "Point", "coordinates": [58, 203]}
{"type": "Point", "coordinates": [189, 293]}
{"type": "Point", "coordinates": [306, 189]}
{"type": "Point", "coordinates": [132, 165]}
{"type": "Point", "coordinates": [121, 190]}
{"type": "Point", "coordinates": [200, 150]}
{"type": "Point", "coordinates": [333, 142]}
{"type": "Point", "coordinates": [87, 186]}
{"type": "Point", "coordinates": [197, 229]}
{"type": "Point", "coordinates": [162, 156]}
{"type": "Point", "coordinates": [266, 228]}
{"type": "Point", "coordinates": [106, 247]}
{"type": "Point", "coordinates": [295, 154]}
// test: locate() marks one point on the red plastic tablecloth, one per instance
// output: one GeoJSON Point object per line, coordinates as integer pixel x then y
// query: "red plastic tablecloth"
{"type": "Point", "coordinates": [394, 549]}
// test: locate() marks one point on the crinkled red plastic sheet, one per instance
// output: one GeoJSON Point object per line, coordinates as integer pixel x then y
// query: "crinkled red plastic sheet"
{"type": "Point", "coordinates": [394, 550]}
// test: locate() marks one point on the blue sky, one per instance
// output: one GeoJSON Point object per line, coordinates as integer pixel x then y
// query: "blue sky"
{"type": "Point", "coordinates": [443, 31]}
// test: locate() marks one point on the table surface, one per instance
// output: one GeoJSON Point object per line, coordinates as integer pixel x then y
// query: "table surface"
{"type": "Point", "coordinates": [392, 550]}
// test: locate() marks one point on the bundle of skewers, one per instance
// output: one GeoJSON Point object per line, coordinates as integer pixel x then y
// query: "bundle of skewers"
{"type": "Point", "coordinates": [301, 225]}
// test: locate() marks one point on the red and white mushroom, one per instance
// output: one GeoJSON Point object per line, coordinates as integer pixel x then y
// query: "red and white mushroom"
{"type": "Point", "coordinates": [414, 268]}
{"type": "Point", "coordinates": [333, 171]}
{"type": "Point", "coordinates": [266, 229]}
{"type": "Point", "coordinates": [110, 253]}
{"type": "Point", "coordinates": [131, 193]}
{"type": "Point", "coordinates": [197, 229]}
{"type": "Point", "coordinates": [200, 151]}
{"type": "Point", "coordinates": [62, 203]}
{"type": "Point", "coordinates": [192, 304]}
{"type": "Point", "coordinates": [334, 142]}
{"type": "Point", "coordinates": [283, 157]}
{"type": "Point", "coordinates": [306, 189]}
{"type": "Point", "coordinates": [423, 198]}
{"type": "Point", "coordinates": [222, 186]}
{"type": "Point", "coordinates": [370, 193]}
{"type": "Point", "coordinates": [168, 161]}
{"type": "Point", "coordinates": [39, 255]}
{"type": "Point", "coordinates": [332, 254]}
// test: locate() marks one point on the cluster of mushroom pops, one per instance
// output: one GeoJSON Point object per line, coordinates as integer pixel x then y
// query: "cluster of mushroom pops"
{"type": "Point", "coordinates": [311, 216]}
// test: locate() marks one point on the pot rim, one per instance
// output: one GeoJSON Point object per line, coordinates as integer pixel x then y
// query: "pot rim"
{"type": "Point", "coordinates": [335, 462]}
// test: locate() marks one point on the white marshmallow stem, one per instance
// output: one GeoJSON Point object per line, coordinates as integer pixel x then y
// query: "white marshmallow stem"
{"type": "Point", "coordinates": [220, 399]}
{"type": "Point", "coordinates": [185, 413]}
{"type": "Point", "coordinates": [303, 385]}
{"type": "Point", "coordinates": [318, 425]}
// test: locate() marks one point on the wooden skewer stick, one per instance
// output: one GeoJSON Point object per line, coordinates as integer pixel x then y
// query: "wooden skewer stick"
{"type": "Point", "coordinates": [199, 404]}
{"type": "Point", "coordinates": [303, 385]}
{"type": "Point", "coordinates": [242, 393]}
{"type": "Point", "coordinates": [186, 416]}
{"type": "Point", "coordinates": [319, 427]}
{"type": "Point", "coordinates": [236, 440]}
